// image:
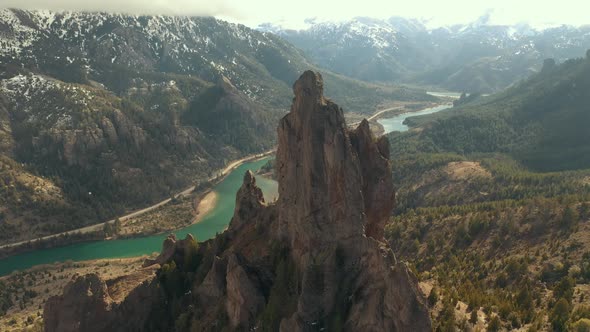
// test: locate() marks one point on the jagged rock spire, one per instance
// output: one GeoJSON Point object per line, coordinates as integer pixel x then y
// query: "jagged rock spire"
{"type": "Point", "coordinates": [335, 195]}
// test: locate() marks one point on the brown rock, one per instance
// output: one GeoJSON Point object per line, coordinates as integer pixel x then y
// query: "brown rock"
{"type": "Point", "coordinates": [86, 296]}
{"type": "Point", "coordinates": [332, 185]}
{"type": "Point", "coordinates": [172, 249]}
{"type": "Point", "coordinates": [249, 201]}
{"type": "Point", "coordinates": [318, 247]}
{"type": "Point", "coordinates": [320, 200]}
{"type": "Point", "coordinates": [244, 297]}
{"type": "Point", "coordinates": [377, 187]}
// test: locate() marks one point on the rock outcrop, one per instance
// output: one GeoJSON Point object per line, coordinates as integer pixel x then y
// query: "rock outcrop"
{"type": "Point", "coordinates": [335, 195]}
{"type": "Point", "coordinates": [312, 261]}
{"type": "Point", "coordinates": [172, 249]}
{"type": "Point", "coordinates": [90, 304]}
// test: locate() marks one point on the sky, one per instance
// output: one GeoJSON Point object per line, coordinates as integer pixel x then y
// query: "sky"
{"type": "Point", "coordinates": [292, 13]}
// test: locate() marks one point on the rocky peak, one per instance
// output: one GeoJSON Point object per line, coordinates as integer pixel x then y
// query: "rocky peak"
{"type": "Point", "coordinates": [310, 86]}
{"type": "Point", "coordinates": [249, 201]}
{"type": "Point", "coordinates": [314, 259]}
{"type": "Point", "coordinates": [377, 183]}
{"type": "Point", "coordinates": [319, 179]}
{"type": "Point", "coordinates": [335, 194]}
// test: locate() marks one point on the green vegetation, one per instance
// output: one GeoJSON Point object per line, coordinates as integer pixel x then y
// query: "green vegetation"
{"type": "Point", "coordinates": [541, 122]}
{"type": "Point", "coordinates": [5, 298]}
{"type": "Point", "coordinates": [493, 205]}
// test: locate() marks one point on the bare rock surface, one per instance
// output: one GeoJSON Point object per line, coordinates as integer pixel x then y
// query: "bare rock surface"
{"type": "Point", "coordinates": [313, 260]}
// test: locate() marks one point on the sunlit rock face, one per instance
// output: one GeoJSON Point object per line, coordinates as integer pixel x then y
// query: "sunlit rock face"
{"type": "Point", "coordinates": [318, 248]}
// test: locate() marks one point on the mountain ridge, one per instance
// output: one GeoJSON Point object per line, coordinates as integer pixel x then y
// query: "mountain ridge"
{"type": "Point", "coordinates": [474, 57]}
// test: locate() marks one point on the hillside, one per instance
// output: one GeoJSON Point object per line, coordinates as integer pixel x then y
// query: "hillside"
{"type": "Point", "coordinates": [541, 122]}
{"type": "Point", "coordinates": [123, 52]}
{"type": "Point", "coordinates": [103, 113]}
{"type": "Point", "coordinates": [474, 57]}
{"type": "Point", "coordinates": [492, 206]}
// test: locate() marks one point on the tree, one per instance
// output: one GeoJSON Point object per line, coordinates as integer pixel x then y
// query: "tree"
{"type": "Point", "coordinates": [585, 208]}
{"type": "Point", "coordinates": [494, 325]}
{"type": "Point", "coordinates": [447, 317]}
{"type": "Point", "coordinates": [433, 296]}
{"type": "Point", "coordinates": [559, 315]}
{"type": "Point", "coordinates": [565, 288]}
{"type": "Point", "coordinates": [569, 218]}
{"type": "Point", "coordinates": [582, 325]}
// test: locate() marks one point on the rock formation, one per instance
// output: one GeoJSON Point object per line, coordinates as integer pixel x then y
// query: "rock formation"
{"type": "Point", "coordinates": [335, 195]}
{"type": "Point", "coordinates": [91, 304]}
{"type": "Point", "coordinates": [172, 248]}
{"type": "Point", "coordinates": [311, 261]}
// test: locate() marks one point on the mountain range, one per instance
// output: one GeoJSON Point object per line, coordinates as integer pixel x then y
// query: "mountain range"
{"type": "Point", "coordinates": [475, 57]}
{"type": "Point", "coordinates": [101, 113]}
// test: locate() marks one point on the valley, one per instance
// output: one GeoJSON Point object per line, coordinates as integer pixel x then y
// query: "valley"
{"type": "Point", "coordinates": [102, 114]}
{"type": "Point", "coordinates": [211, 224]}
{"type": "Point", "coordinates": [498, 241]}
{"type": "Point", "coordinates": [185, 173]}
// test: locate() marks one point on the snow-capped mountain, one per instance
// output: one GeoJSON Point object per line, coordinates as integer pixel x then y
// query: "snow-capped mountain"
{"type": "Point", "coordinates": [89, 43]}
{"type": "Point", "coordinates": [475, 56]}
{"type": "Point", "coordinates": [132, 108]}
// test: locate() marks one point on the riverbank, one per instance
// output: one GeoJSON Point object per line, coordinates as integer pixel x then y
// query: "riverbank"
{"type": "Point", "coordinates": [96, 232]}
{"type": "Point", "coordinates": [212, 224]}
{"type": "Point", "coordinates": [397, 122]}
{"type": "Point", "coordinates": [206, 205]}
{"type": "Point", "coordinates": [394, 111]}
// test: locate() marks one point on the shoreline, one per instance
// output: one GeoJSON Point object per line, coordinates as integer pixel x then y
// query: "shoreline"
{"type": "Point", "coordinates": [207, 203]}
{"type": "Point", "coordinates": [378, 129]}
{"type": "Point", "coordinates": [88, 233]}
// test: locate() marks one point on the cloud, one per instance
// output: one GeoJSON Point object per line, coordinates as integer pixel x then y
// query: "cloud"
{"type": "Point", "coordinates": [147, 7]}
{"type": "Point", "coordinates": [253, 12]}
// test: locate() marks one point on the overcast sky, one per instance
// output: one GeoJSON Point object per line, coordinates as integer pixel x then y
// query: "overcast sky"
{"type": "Point", "coordinates": [292, 13]}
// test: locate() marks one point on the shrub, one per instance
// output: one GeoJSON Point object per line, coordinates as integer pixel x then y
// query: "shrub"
{"type": "Point", "coordinates": [494, 325]}
{"type": "Point", "coordinates": [559, 315]}
{"type": "Point", "coordinates": [582, 325]}
{"type": "Point", "coordinates": [433, 296]}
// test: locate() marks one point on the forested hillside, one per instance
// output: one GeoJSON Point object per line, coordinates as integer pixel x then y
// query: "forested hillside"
{"type": "Point", "coordinates": [541, 122]}
{"type": "Point", "coordinates": [493, 205]}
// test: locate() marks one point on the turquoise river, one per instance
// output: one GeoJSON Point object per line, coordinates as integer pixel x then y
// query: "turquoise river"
{"type": "Point", "coordinates": [215, 222]}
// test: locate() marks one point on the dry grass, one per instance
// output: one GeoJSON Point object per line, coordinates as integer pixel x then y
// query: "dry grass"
{"type": "Point", "coordinates": [466, 170]}
{"type": "Point", "coordinates": [50, 280]}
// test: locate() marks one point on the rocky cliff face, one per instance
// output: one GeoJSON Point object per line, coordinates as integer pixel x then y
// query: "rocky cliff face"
{"type": "Point", "coordinates": [334, 198]}
{"type": "Point", "coordinates": [313, 260]}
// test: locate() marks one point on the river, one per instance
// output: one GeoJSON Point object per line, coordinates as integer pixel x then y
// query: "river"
{"type": "Point", "coordinates": [215, 222]}
{"type": "Point", "coordinates": [396, 123]}
{"type": "Point", "coordinates": [454, 95]}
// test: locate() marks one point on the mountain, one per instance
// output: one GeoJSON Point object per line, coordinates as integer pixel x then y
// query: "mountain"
{"type": "Point", "coordinates": [493, 205]}
{"type": "Point", "coordinates": [313, 260]}
{"type": "Point", "coordinates": [122, 51]}
{"type": "Point", "coordinates": [476, 57]}
{"type": "Point", "coordinates": [102, 113]}
{"type": "Point", "coordinates": [540, 122]}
